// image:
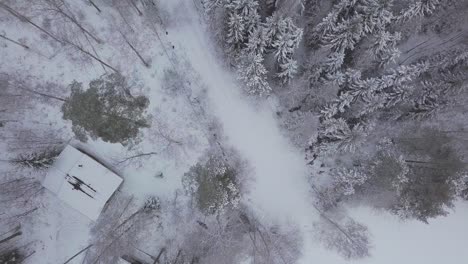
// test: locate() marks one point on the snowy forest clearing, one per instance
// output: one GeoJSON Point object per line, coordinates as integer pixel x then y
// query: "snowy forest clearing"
{"type": "Point", "coordinates": [187, 117]}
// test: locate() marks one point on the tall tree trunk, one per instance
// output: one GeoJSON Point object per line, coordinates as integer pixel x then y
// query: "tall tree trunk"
{"type": "Point", "coordinates": [423, 162]}
{"type": "Point", "coordinates": [134, 50]}
{"type": "Point", "coordinates": [72, 19]}
{"type": "Point", "coordinates": [91, 55]}
{"type": "Point", "coordinates": [77, 254]}
{"type": "Point", "coordinates": [94, 5]}
{"type": "Point", "coordinates": [41, 94]}
{"type": "Point", "coordinates": [136, 7]}
{"type": "Point", "coordinates": [159, 255]}
{"type": "Point", "coordinates": [10, 237]}
{"type": "Point", "coordinates": [95, 52]}
{"type": "Point", "coordinates": [13, 41]}
{"type": "Point", "coordinates": [27, 20]}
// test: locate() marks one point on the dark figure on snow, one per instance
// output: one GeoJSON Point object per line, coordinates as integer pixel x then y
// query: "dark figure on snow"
{"type": "Point", "coordinates": [82, 182]}
{"type": "Point", "coordinates": [78, 184]}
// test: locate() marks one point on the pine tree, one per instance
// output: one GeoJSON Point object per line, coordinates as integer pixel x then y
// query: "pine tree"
{"type": "Point", "coordinates": [327, 25]}
{"type": "Point", "coordinates": [271, 27]}
{"type": "Point", "coordinates": [210, 5]}
{"type": "Point", "coordinates": [419, 9]}
{"type": "Point", "coordinates": [376, 15]}
{"type": "Point", "coordinates": [337, 78]}
{"type": "Point", "coordinates": [426, 106]}
{"type": "Point", "coordinates": [334, 61]}
{"type": "Point", "coordinates": [236, 31]}
{"type": "Point", "coordinates": [329, 111]}
{"type": "Point", "coordinates": [345, 181]}
{"type": "Point", "coordinates": [247, 10]}
{"type": "Point", "coordinates": [253, 73]}
{"type": "Point", "coordinates": [345, 35]}
{"type": "Point", "coordinates": [106, 110]}
{"type": "Point", "coordinates": [334, 129]}
{"type": "Point", "coordinates": [287, 70]}
{"type": "Point", "coordinates": [384, 48]}
{"type": "Point", "coordinates": [286, 40]}
{"type": "Point", "coordinates": [349, 21]}
{"type": "Point", "coordinates": [257, 41]}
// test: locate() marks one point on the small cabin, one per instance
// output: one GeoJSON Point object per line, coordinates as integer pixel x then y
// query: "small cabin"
{"type": "Point", "coordinates": [82, 182]}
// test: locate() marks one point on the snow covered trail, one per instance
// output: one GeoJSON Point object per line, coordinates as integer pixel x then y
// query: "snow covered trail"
{"type": "Point", "coordinates": [279, 190]}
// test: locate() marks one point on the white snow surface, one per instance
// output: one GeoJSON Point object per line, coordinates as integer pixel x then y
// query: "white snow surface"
{"type": "Point", "coordinates": [279, 189]}
{"type": "Point", "coordinates": [443, 240]}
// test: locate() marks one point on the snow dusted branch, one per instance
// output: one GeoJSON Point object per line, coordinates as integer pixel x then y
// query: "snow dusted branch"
{"type": "Point", "coordinates": [77, 254]}
{"type": "Point", "coordinates": [137, 156]}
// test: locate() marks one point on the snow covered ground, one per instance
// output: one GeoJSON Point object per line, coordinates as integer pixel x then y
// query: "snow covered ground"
{"type": "Point", "coordinates": [251, 129]}
{"type": "Point", "coordinates": [279, 190]}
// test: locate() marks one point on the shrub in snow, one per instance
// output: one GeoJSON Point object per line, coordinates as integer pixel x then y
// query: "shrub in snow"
{"type": "Point", "coordinates": [152, 204]}
{"type": "Point", "coordinates": [213, 185]}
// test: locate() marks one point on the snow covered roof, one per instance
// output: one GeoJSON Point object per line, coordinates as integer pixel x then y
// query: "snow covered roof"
{"type": "Point", "coordinates": [81, 182]}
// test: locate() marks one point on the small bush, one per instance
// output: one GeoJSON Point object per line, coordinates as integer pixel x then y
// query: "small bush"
{"type": "Point", "coordinates": [213, 185]}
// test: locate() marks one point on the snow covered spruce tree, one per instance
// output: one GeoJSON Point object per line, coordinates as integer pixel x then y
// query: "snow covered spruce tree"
{"type": "Point", "coordinates": [242, 19]}
{"type": "Point", "coordinates": [106, 110]}
{"type": "Point", "coordinates": [249, 38]}
{"type": "Point", "coordinates": [419, 9]}
{"type": "Point", "coordinates": [283, 38]}
{"type": "Point", "coordinates": [366, 99]}
{"type": "Point", "coordinates": [252, 71]}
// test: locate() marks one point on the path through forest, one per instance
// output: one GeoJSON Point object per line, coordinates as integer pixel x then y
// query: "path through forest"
{"type": "Point", "coordinates": [279, 190]}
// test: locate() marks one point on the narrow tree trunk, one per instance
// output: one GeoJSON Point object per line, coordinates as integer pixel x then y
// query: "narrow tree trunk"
{"type": "Point", "coordinates": [13, 41]}
{"type": "Point", "coordinates": [42, 94]}
{"type": "Point", "coordinates": [74, 21]}
{"type": "Point", "coordinates": [137, 53]}
{"type": "Point", "coordinates": [95, 6]}
{"type": "Point", "coordinates": [17, 233]}
{"type": "Point", "coordinates": [159, 255]}
{"type": "Point", "coordinates": [122, 16]}
{"type": "Point", "coordinates": [30, 254]}
{"type": "Point", "coordinates": [77, 254]}
{"type": "Point", "coordinates": [92, 56]}
{"type": "Point", "coordinates": [27, 20]}
{"type": "Point", "coordinates": [137, 156]}
{"type": "Point", "coordinates": [177, 257]}
{"type": "Point", "coordinates": [422, 162]}
{"type": "Point", "coordinates": [109, 245]}
{"type": "Point", "coordinates": [95, 52]}
{"type": "Point", "coordinates": [128, 219]}
{"type": "Point", "coordinates": [136, 7]}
